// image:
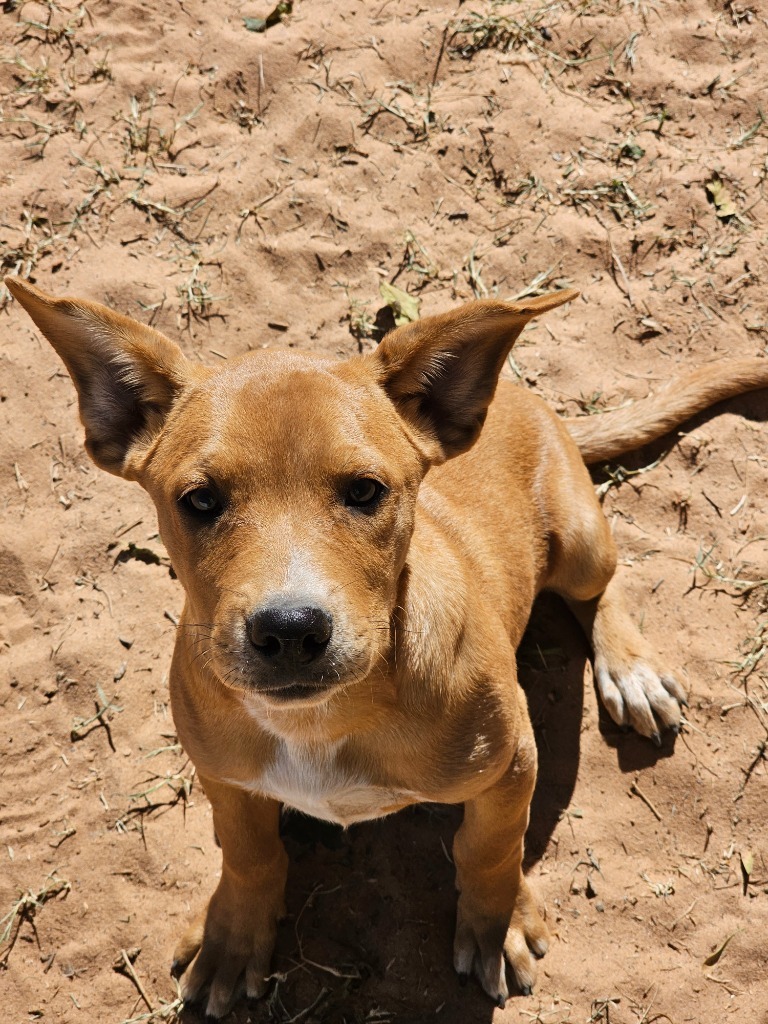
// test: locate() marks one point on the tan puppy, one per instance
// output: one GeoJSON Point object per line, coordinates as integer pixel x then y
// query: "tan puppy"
{"type": "Point", "coordinates": [348, 641]}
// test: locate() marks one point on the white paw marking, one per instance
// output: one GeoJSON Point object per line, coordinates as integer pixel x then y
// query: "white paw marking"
{"type": "Point", "coordinates": [636, 695]}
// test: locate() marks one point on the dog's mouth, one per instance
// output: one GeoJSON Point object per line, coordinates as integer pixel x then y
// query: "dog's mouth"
{"type": "Point", "coordinates": [314, 686]}
{"type": "Point", "coordinates": [294, 693]}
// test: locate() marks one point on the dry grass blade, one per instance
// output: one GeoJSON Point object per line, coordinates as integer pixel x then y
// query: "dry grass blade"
{"type": "Point", "coordinates": [197, 300]}
{"type": "Point", "coordinates": [714, 957]}
{"type": "Point", "coordinates": [24, 909]}
{"type": "Point", "coordinates": [715, 573]}
{"type": "Point", "coordinates": [490, 31]}
{"type": "Point", "coordinates": [83, 726]}
{"type": "Point", "coordinates": [170, 1012]}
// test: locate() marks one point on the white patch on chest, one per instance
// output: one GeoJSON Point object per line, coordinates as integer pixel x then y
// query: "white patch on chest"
{"type": "Point", "coordinates": [311, 780]}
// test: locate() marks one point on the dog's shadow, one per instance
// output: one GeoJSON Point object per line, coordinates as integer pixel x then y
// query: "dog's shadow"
{"type": "Point", "coordinates": [369, 931]}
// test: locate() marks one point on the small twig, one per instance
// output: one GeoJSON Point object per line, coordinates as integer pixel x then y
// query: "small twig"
{"type": "Point", "coordinates": [132, 526]}
{"type": "Point", "coordinates": [682, 917]}
{"type": "Point", "coordinates": [634, 788]}
{"type": "Point", "coordinates": [135, 979]}
{"type": "Point", "coordinates": [440, 53]}
{"type": "Point", "coordinates": [50, 564]}
{"type": "Point", "coordinates": [63, 836]}
{"type": "Point", "coordinates": [620, 267]}
{"type": "Point", "coordinates": [98, 587]}
{"type": "Point", "coordinates": [21, 483]}
{"type": "Point", "coordinates": [760, 756]}
{"type": "Point", "coordinates": [303, 1014]}
{"type": "Point", "coordinates": [520, 60]}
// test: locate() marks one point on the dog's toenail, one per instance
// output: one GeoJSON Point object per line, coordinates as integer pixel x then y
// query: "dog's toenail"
{"type": "Point", "coordinates": [525, 990]}
{"type": "Point", "coordinates": [656, 737]}
{"type": "Point", "coordinates": [177, 969]}
{"type": "Point", "coordinates": [675, 730]}
{"type": "Point", "coordinates": [463, 978]}
{"type": "Point", "coordinates": [501, 1002]}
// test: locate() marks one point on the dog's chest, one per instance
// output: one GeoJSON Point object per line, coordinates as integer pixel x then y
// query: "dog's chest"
{"type": "Point", "coordinates": [317, 782]}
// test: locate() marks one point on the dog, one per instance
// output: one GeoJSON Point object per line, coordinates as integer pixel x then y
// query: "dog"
{"type": "Point", "coordinates": [360, 543]}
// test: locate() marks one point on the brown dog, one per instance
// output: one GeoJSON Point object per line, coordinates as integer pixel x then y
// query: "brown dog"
{"type": "Point", "coordinates": [348, 641]}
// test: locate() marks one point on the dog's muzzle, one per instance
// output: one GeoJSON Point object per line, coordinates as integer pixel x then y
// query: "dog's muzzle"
{"type": "Point", "coordinates": [289, 643]}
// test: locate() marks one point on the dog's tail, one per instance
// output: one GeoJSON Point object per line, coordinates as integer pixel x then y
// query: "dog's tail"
{"type": "Point", "coordinates": [604, 436]}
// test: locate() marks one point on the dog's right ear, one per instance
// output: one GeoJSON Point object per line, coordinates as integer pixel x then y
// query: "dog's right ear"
{"type": "Point", "coordinates": [441, 372]}
{"type": "Point", "coordinates": [127, 375]}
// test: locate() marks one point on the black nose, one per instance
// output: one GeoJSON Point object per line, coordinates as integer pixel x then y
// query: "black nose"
{"type": "Point", "coordinates": [290, 634]}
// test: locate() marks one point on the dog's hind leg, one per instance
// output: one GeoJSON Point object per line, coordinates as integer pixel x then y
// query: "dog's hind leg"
{"type": "Point", "coordinates": [635, 688]}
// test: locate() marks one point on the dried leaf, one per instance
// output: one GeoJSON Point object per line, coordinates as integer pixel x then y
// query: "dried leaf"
{"type": "Point", "coordinates": [714, 957]}
{"type": "Point", "coordinates": [721, 197]}
{"type": "Point", "coordinates": [631, 151]}
{"type": "Point", "coordinates": [747, 861]}
{"type": "Point", "coordinates": [404, 306]}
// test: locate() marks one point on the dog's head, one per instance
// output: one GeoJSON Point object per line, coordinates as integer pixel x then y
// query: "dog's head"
{"type": "Point", "coordinates": [285, 484]}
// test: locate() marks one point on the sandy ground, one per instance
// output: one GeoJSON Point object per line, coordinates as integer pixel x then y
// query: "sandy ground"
{"type": "Point", "coordinates": [237, 189]}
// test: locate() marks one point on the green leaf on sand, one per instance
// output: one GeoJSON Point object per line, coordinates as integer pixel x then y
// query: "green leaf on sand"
{"type": "Point", "coordinates": [274, 17]}
{"type": "Point", "coordinates": [404, 306]}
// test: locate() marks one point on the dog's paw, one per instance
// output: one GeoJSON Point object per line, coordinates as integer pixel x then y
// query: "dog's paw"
{"type": "Point", "coordinates": [483, 947]}
{"type": "Point", "coordinates": [637, 694]}
{"type": "Point", "coordinates": [225, 953]}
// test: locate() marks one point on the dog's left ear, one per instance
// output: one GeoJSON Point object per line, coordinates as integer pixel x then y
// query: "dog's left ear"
{"type": "Point", "coordinates": [127, 375]}
{"type": "Point", "coordinates": [441, 372]}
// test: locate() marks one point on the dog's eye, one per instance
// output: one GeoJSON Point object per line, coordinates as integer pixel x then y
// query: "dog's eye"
{"type": "Point", "coordinates": [202, 501]}
{"type": "Point", "coordinates": [364, 493]}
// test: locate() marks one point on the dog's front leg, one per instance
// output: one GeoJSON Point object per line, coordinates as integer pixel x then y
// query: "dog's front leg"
{"type": "Point", "coordinates": [232, 940]}
{"type": "Point", "coordinates": [497, 914]}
